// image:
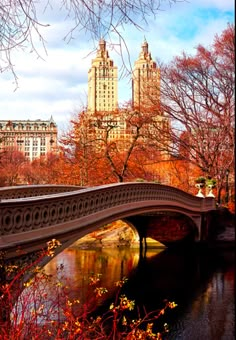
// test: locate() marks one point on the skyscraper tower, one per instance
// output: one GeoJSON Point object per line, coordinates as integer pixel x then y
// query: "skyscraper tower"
{"type": "Point", "coordinates": [145, 81]}
{"type": "Point", "coordinates": [102, 82]}
{"type": "Point", "coordinates": [146, 98]}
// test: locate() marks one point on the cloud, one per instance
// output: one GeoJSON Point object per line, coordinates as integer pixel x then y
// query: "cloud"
{"type": "Point", "coordinates": [55, 82]}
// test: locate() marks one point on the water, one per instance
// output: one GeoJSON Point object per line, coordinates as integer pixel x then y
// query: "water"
{"type": "Point", "coordinates": [201, 283]}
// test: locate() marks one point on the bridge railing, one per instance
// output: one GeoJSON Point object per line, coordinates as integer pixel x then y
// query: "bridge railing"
{"type": "Point", "coordinates": [35, 190]}
{"type": "Point", "coordinates": [27, 214]}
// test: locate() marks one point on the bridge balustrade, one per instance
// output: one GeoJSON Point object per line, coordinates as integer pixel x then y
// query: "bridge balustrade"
{"type": "Point", "coordinates": [25, 214]}
{"type": "Point", "coordinates": [34, 190]}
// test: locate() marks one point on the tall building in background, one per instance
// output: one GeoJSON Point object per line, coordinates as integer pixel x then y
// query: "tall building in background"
{"type": "Point", "coordinates": [102, 112]}
{"type": "Point", "coordinates": [34, 138]}
{"type": "Point", "coordinates": [145, 81]}
{"type": "Point", "coordinates": [102, 82]}
{"type": "Point", "coordinates": [146, 98]}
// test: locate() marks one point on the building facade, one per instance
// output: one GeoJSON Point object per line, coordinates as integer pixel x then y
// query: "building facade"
{"type": "Point", "coordinates": [34, 138]}
{"type": "Point", "coordinates": [145, 81]}
{"type": "Point", "coordinates": [102, 82]}
{"type": "Point", "coordinates": [146, 99]}
{"type": "Point", "coordinates": [102, 110]}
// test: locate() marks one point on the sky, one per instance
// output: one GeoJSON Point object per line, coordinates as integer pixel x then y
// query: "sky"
{"type": "Point", "coordinates": [54, 82]}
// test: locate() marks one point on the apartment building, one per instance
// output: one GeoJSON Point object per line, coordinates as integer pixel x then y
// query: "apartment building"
{"type": "Point", "coordinates": [146, 98]}
{"type": "Point", "coordinates": [102, 110]}
{"type": "Point", "coordinates": [145, 81]}
{"type": "Point", "coordinates": [102, 82]}
{"type": "Point", "coordinates": [34, 138]}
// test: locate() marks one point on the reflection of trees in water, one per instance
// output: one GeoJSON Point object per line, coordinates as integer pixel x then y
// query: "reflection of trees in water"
{"type": "Point", "coordinates": [177, 275]}
{"type": "Point", "coordinates": [200, 282]}
{"type": "Point", "coordinates": [79, 265]}
{"type": "Point", "coordinates": [70, 276]}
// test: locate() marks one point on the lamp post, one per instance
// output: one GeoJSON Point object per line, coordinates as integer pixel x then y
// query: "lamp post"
{"type": "Point", "coordinates": [227, 187]}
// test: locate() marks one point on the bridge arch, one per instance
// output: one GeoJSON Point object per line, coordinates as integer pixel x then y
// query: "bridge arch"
{"type": "Point", "coordinates": [29, 222]}
{"type": "Point", "coordinates": [168, 228]}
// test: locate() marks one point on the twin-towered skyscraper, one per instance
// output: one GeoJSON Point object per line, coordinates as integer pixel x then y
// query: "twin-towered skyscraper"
{"type": "Point", "coordinates": [103, 110]}
{"type": "Point", "coordinates": [103, 81]}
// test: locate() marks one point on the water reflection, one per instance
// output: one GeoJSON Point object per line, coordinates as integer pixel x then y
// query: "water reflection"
{"type": "Point", "coordinates": [200, 282]}
{"type": "Point", "coordinates": [79, 265]}
{"type": "Point", "coordinates": [209, 311]}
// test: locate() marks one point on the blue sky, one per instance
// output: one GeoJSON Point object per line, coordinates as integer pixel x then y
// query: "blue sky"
{"type": "Point", "coordinates": [56, 83]}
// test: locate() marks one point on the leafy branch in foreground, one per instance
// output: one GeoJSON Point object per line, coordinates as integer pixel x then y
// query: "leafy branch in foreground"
{"type": "Point", "coordinates": [48, 308]}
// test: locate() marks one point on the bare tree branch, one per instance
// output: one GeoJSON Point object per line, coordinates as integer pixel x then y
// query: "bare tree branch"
{"type": "Point", "coordinates": [20, 25]}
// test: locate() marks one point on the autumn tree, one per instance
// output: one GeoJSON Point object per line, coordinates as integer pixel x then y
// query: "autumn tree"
{"type": "Point", "coordinates": [197, 94]}
{"type": "Point", "coordinates": [12, 164]}
{"type": "Point", "coordinates": [76, 147]}
{"type": "Point", "coordinates": [49, 169]}
{"type": "Point", "coordinates": [113, 147]}
{"type": "Point", "coordinates": [23, 22]}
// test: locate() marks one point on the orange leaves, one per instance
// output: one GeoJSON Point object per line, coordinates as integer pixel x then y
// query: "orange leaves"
{"type": "Point", "coordinates": [197, 94]}
{"type": "Point", "coordinates": [12, 167]}
{"type": "Point", "coordinates": [224, 44]}
{"type": "Point", "coordinates": [188, 62]}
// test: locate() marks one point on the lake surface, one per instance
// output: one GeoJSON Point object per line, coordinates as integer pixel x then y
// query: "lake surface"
{"type": "Point", "coordinates": [201, 282]}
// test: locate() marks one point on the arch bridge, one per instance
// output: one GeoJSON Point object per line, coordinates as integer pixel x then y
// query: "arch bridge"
{"type": "Point", "coordinates": [30, 216]}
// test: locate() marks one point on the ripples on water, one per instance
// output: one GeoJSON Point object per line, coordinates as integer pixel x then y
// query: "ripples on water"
{"type": "Point", "coordinates": [210, 312]}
